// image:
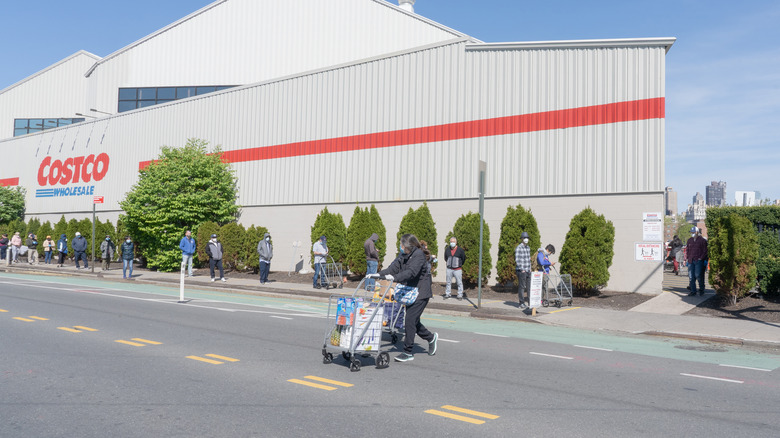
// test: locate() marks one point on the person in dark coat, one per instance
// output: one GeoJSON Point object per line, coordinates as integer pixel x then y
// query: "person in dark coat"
{"type": "Point", "coordinates": [372, 259]}
{"type": "Point", "coordinates": [214, 251]}
{"type": "Point", "coordinates": [62, 249]}
{"type": "Point", "coordinates": [412, 268]}
{"type": "Point", "coordinates": [697, 260]}
{"type": "Point", "coordinates": [454, 257]}
{"type": "Point", "coordinates": [80, 248]}
{"type": "Point", "coordinates": [127, 252]}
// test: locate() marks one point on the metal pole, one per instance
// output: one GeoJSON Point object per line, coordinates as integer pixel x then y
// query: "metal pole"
{"type": "Point", "coordinates": [482, 166]}
{"type": "Point", "coordinates": [93, 236]}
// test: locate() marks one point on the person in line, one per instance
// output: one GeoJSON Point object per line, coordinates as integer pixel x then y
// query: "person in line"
{"type": "Point", "coordinates": [697, 260]}
{"type": "Point", "coordinates": [188, 248]}
{"type": "Point", "coordinates": [214, 251]}
{"type": "Point", "coordinates": [80, 249]}
{"type": "Point", "coordinates": [107, 250]}
{"type": "Point", "coordinates": [32, 249]}
{"type": "Point", "coordinates": [543, 258]}
{"type": "Point", "coordinates": [4, 241]}
{"type": "Point", "coordinates": [372, 259]}
{"type": "Point", "coordinates": [523, 269]}
{"type": "Point", "coordinates": [677, 254]}
{"type": "Point", "coordinates": [320, 250]}
{"type": "Point", "coordinates": [266, 252]}
{"type": "Point", "coordinates": [48, 250]}
{"type": "Point", "coordinates": [62, 249]}
{"type": "Point", "coordinates": [16, 246]}
{"type": "Point", "coordinates": [127, 252]}
{"type": "Point", "coordinates": [412, 269]}
{"type": "Point", "coordinates": [454, 257]}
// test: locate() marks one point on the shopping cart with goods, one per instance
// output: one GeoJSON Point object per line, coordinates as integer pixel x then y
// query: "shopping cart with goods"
{"type": "Point", "coordinates": [331, 274]}
{"type": "Point", "coordinates": [355, 326]}
{"type": "Point", "coordinates": [556, 289]}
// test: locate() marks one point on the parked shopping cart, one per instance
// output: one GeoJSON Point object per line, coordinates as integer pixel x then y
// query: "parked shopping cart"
{"type": "Point", "coordinates": [556, 289]}
{"type": "Point", "coordinates": [355, 326]}
{"type": "Point", "coordinates": [331, 274]}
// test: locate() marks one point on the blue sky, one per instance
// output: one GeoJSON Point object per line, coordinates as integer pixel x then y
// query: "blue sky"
{"type": "Point", "coordinates": [722, 74]}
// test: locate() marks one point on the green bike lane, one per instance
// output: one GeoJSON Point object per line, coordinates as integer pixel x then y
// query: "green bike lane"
{"type": "Point", "coordinates": [669, 348]}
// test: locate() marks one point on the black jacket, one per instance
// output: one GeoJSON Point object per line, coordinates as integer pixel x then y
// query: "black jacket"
{"type": "Point", "coordinates": [412, 270]}
{"type": "Point", "coordinates": [457, 259]}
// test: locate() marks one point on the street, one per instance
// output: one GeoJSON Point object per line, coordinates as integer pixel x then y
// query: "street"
{"type": "Point", "coordinates": [92, 358]}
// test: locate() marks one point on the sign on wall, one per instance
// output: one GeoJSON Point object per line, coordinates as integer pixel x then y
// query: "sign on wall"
{"type": "Point", "coordinates": [653, 227]}
{"type": "Point", "coordinates": [649, 252]}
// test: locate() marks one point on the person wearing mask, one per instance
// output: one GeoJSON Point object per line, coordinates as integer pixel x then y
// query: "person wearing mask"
{"type": "Point", "coordinates": [80, 249]}
{"type": "Point", "coordinates": [4, 241]}
{"type": "Point", "coordinates": [107, 250]}
{"type": "Point", "coordinates": [677, 254]}
{"type": "Point", "coordinates": [697, 260]}
{"type": "Point", "coordinates": [523, 268]}
{"type": "Point", "coordinates": [127, 252]}
{"type": "Point", "coordinates": [372, 259]}
{"type": "Point", "coordinates": [214, 251]}
{"type": "Point", "coordinates": [188, 248]}
{"type": "Point", "coordinates": [543, 258]}
{"type": "Point", "coordinates": [32, 249]}
{"type": "Point", "coordinates": [454, 257]}
{"type": "Point", "coordinates": [62, 249]}
{"type": "Point", "coordinates": [412, 269]}
{"type": "Point", "coordinates": [16, 246]}
{"type": "Point", "coordinates": [266, 252]}
{"type": "Point", "coordinates": [48, 249]}
{"type": "Point", "coordinates": [320, 251]}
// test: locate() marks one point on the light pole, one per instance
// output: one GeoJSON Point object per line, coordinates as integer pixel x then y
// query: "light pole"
{"type": "Point", "coordinates": [101, 112]}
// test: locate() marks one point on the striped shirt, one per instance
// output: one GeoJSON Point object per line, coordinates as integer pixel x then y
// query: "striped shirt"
{"type": "Point", "coordinates": [523, 257]}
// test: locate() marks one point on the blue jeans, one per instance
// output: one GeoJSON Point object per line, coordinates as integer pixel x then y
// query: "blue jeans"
{"type": "Point", "coordinates": [83, 256]}
{"type": "Point", "coordinates": [264, 268]}
{"type": "Point", "coordinates": [48, 257]}
{"type": "Point", "coordinates": [125, 265]}
{"type": "Point", "coordinates": [696, 271]}
{"type": "Point", "coordinates": [186, 262]}
{"type": "Point", "coordinates": [318, 271]}
{"type": "Point", "coordinates": [371, 267]}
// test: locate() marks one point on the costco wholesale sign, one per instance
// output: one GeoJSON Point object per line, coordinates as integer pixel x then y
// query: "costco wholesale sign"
{"type": "Point", "coordinates": [74, 170]}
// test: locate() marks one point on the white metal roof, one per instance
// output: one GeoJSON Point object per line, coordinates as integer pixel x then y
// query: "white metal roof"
{"type": "Point", "coordinates": [568, 44]}
{"type": "Point", "coordinates": [28, 78]}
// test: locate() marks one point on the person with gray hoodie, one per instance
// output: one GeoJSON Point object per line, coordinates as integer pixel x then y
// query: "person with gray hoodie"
{"type": "Point", "coordinates": [266, 252]}
{"type": "Point", "coordinates": [214, 251]}
{"type": "Point", "coordinates": [372, 259]}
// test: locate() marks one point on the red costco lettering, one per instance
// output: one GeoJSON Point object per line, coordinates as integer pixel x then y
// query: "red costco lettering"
{"type": "Point", "coordinates": [73, 170]}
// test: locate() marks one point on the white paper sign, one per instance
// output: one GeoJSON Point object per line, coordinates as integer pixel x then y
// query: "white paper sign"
{"type": "Point", "coordinates": [653, 227]}
{"type": "Point", "coordinates": [651, 252]}
{"type": "Point", "coordinates": [535, 295]}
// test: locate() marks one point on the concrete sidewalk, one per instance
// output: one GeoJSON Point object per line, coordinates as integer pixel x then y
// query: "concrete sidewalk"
{"type": "Point", "coordinates": [660, 316]}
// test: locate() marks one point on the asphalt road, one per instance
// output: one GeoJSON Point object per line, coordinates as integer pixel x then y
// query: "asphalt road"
{"type": "Point", "coordinates": [88, 358]}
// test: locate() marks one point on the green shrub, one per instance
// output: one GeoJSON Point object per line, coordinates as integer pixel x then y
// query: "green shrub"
{"type": "Point", "coordinates": [45, 230]}
{"type": "Point", "coordinates": [466, 230]}
{"type": "Point", "coordinates": [73, 226]}
{"type": "Point", "coordinates": [768, 263]}
{"type": "Point", "coordinates": [205, 230]}
{"type": "Point", "coordinates": [588, 250]}
{"type": "Point", "coordinates": [85, 227]}
{"type": "Point", "coordinates": [32, 226]}
{"type": "Point", "coordinates": [233, 237]}
{"type": "Point", "coordinates": [733, 250]}
{"type": "Point", "coordinates": [363, 224]}
{"type": "Point", "coordinates": [516, 221]}
{"type": "Point", "coordinates": [332, 227]}
{"type": "Point", "coordinates": [11, 204]}
{"type": "Point", "coordinates": [420, 223]}
{"type": "Point", "coordinates": [60, 228]}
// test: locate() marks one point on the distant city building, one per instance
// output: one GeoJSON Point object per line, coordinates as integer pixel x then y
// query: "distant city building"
{"type": "Point", "coordinates": [746, 199]}
{"type": "Point", "coordinates": [716, 194]}
{"type": "Point", "coordinates": [698, 210]}
{"type": "Point", "coordinates": [670, 202]}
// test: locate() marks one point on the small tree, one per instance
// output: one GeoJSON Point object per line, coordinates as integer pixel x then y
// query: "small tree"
{"type": "Point", "coordinates": [253, 236]}
{"type": "Point", "coordinates": [768, 263]}
{"type": "Point", "coordinates": [85, 228]}
{"type": "Point", "coordinates": [363, 224]}
{"type": "Point", "coordinates": [233, 237]}
{"type": "Point", "coordinates": [46, 230]}
{"type": "Point", "coordinates": [33, 225]}
{"type": "Point", "coordinates": [60, 228]}
{"type": "Point", "coordinates": [205, 230]}
{"type": "Point", "coordinates": [332, 227]}
{"type": "Point", "coordinates": [17, 225]}
{"type": "Point", "coordinates": [466, 230]}
{"type": "Point", "coordinates": [11, 203]}
{"type": "Point", "coordinates": [516, 221]}
{"type": "Point", "coordinates": [588, 250]}
{"type": "Point", "coordinates": [183, 187]}
{"type": "Point", "coordinates": [733, 250]}
{"type": "Point", "coordinates": [420, 223]}
{"type": "Point", "coordinates": [73, 227]}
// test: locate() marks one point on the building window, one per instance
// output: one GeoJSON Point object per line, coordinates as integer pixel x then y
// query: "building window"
{"type": "Point", "coordinates": [28, 126]}
{"type": "Point", "coordinates": [132, 98]}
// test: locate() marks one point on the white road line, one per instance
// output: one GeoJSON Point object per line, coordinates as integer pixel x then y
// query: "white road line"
{"type": "Point", "coordinates": [280, 317]}
{"type": "Point", "coordinates": [744, 368]}
{"type": "Point", "coordinates": [448, 340]}
{"type": "Point", "coordinates": [712, 378]}
{"type": "Point", "coordinates": [593, 348]}
{"type": "Point", "coordinates": [490, 334]}
{"type": "Point", "coordinates": [552, 355]}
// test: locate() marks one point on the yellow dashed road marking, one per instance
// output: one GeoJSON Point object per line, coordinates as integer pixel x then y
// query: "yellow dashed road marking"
{"type": "Point", "coordinates": [226, 359]}
{"type": "Point", "coordinates": [81, 327]}
{"type": "Point", "coordinates": [565, 310]}
{"type": "Point", "coordinates": [134, 344]}
{"type": "Point", "coordinates": [203, 359]}
{"type": "Point", "coordinates": [23, 319]}
{"type": "Point", "coordinates": [470, 412]}
{"type": "Point", "coordinates": [3, 311]}
{"type": "Point", "coordinates": [68, 329]}
{"type": "Point", "coordinates": [146, 341]}
{"type": "Point", "coordinates": [454, 416]}
{"type": "Point", "coordinates": [332, 382]}
{"type": "Point", "coordinates": [313, 385]}
{"type": "Point", "coordinates": [39, 318]}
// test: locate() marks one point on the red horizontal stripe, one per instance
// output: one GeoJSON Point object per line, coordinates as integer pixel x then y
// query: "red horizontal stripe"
{"type": "Point", "coordinates": [559, 119]}
{"type": "Point", "coordinates": [8, 182]}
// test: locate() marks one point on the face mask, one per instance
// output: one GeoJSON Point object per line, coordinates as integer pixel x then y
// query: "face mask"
{"type": "Point", "coordinates": [128, 240]}
{"type": "Point", "coordinates": [452, 244]}
{"type": "Point", "coordinates": [107, 239]}
{"type": "Point", "coordinates": [693, 234]}
{"type": "Point", "coordinates": [525, 241]}
{"type": "Point", "coordinates": [267, 239]}
{"type": "Point", "coordinates": [401, 249]}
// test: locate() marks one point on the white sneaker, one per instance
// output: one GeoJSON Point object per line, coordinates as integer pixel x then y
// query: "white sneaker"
{"type": "Point", "coordinates": [213, 279]}
{"type": "Point", "coordinates": [223, 279]}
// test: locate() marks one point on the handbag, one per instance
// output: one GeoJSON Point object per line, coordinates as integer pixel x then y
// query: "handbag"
{"type": "Point", "coordinates": [405, 295]}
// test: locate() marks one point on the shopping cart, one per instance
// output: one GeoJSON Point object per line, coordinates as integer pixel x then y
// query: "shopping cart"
{"type": "Point", "coordinates": [331, 274]}
{"type": "Point", "coordinates": [355, 326]}
{"type": "Point", "coordinates": [393, 313]}
{"type": "Point", "coordinates": [556, 288]}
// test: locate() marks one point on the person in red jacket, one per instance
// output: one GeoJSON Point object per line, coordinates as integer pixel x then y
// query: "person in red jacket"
{"type": "Point", "coordinates": [697, 260]}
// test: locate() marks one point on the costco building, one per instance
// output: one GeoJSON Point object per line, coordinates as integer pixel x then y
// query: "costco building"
{"type": "Point", "coordinates": [366, 103]}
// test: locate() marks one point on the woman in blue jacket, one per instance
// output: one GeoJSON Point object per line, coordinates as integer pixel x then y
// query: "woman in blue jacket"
{"type": "Point", "coordinates": [543, 258]}
{"type": "Point", "coordinates": [62, 249]}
